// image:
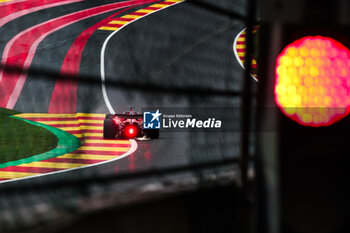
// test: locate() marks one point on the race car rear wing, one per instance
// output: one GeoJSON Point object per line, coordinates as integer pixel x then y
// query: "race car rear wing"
{"type": "Point", "coordinates": [129, 116]}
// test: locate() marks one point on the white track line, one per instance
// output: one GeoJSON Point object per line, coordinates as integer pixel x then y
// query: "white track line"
{"type": "Point", "coordinates": [132, 149]}
{"type": "Point", "coordinates": [103, 50]}
{"type": "Point", "coordinates": [236, 54]}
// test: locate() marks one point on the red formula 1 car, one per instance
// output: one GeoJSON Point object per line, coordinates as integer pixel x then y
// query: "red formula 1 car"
{"type": "Point", "coordinates": [126, 126]}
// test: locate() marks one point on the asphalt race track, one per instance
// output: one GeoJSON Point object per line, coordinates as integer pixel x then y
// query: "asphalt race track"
{"type": "Point", "coordinates": [178, 44]}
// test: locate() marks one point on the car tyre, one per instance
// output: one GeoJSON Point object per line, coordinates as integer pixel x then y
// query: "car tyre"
{"type": "Point", "coordinates": [110, 130]}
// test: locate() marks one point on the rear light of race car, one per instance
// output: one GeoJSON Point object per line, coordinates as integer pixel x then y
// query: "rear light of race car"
{"type": "Point", "coordinates": [130, 131]}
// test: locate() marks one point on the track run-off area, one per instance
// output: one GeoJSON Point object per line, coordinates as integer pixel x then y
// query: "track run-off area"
{"type": "Point", "coordinates": [20, 51]}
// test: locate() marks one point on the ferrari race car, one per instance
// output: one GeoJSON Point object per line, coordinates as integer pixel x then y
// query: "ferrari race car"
{"type": "Point", "coordinates": [126, 126]}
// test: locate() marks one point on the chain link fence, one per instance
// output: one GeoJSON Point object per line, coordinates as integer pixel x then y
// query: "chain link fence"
{"type": "Point", "coordinates": [181, 57]}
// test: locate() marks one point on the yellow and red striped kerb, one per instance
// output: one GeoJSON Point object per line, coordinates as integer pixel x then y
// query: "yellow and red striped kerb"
{"type": "Point", "coordinates": [240, 49]}
{"type": "Point", "coordinates": [116, 23]}
{"type": "Point", "coordinates": [93, 150]}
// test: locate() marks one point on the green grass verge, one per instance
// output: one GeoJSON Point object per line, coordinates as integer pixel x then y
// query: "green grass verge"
{"type": "Point", "coordinates": [8, 112]}
{"type": "Point", "coordinates": [19, 140]}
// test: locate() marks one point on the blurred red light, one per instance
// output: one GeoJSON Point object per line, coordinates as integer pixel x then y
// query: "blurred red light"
{"type": "Point", "coordinates": [130, 131]}
{"type": "Point", "coordinates": [312, 84]}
